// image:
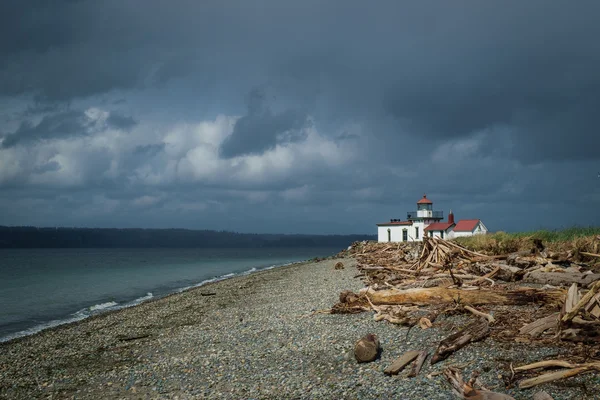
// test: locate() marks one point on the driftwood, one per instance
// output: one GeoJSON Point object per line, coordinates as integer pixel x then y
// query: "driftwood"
{"type": "Point", "coordinates": [558, 375]}
{"type": "Point", "coordinates": [560, 278]}
{"type": "Point", "coordinates": [584, 334]}
{"type": "Point", "coordinates": [465, 390]}
{"type": "Point", "coordinates": [509, 273]}
{"type": "Point", "coordinates": [568, 371]}
{"type": "Point", "coordinates": [473, 332]}
{"type": "Point", "coordinates": [538, 326]}
{"type": "Point", "coordinates": [572, 299]}
{"type": "Point", "coordinates": [401, 362]}
{"type": "Point", "coordinates": [489, 317]}
{"type": "Point", "coordinates": [585, 253]}
{"type": "Point", "coordinates": [582, 303]}
{"type": "Point", "coordinates": [593, 307]}
{"type": "Point", "coordinates": [418, 364]}
{"type": "Point", "coordinates": [125, 338]}
{"type": "Point", "coordinates": [437, 295]}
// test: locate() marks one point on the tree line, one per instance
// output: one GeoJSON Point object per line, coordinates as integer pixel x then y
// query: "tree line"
{"type": "Point", "coordinates": [34, 237]}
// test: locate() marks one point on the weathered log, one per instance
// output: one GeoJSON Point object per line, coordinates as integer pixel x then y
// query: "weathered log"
{"type": "Point", "coordinates": [401, 362]}
{"type": "Point", "coordinates": [438, 295]}
{"type": "Point", "coordinates": [473, 332]}
{"type": "Point", "coordinates": [538, 327]}
{"type": "Point", "coordinates": [545, 364]}
{"type": "Point", "coordinates": [521, 259]}
{"type": "Point", "coordinates": [555, 376]}
{"type": "Point", "coordinates": [509, 273]}
{"type": "Point", "coordinates": [418, 364]}
{"type": "Point", "coordinates": [560, 278]}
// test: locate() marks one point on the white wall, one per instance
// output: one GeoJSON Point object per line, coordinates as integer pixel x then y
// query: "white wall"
{"type": "Point", "coordinates": [479, 229]}
{"type": "Point", "coordinates": [396, 232]}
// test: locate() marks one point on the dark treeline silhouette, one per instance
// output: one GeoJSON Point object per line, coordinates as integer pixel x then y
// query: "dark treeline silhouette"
{"type": "Point", "coordinates": [32, 237]}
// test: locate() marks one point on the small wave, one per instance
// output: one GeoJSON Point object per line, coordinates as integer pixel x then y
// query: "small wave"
{"type": "Point", "coordinates": [103, 306]}
{"type": "Point", "coordinates": [139, 300]}
{"type": "Point", "coordinates": [51, 324]}
{"type": "Point", "coordinates": [251, 270]}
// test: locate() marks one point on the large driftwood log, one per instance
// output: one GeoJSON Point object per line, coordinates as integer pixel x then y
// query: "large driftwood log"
{"type": "Point", "coordinates": [438, 295]}
{"type": "Point", "coordinates": [501, 272]}
{"type": "Point", "coordinates": [560, 278]}
{"type": "Point", "coordinates": [473, 332]}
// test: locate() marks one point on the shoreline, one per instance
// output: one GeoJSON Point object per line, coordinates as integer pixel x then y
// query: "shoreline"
{"type": "Point", "coordinates": [72, 319]}
{"type": "Point", "coordinates": [256, 338]}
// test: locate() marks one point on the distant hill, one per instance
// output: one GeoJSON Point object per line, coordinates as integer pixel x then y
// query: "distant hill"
{"type": "Point", "coordinates": [32, 237]}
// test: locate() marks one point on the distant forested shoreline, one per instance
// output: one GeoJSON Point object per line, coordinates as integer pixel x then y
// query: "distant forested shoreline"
{"type": "Point", "coordinates": [33, 237]}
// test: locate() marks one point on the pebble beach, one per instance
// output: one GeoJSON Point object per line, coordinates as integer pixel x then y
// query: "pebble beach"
{"type": "Point", "coordinates": [258, 336]}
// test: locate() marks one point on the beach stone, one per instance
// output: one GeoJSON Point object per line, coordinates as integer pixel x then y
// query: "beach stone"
{"type": "Point", "coordinates": [339, 265]}
{"type": "Point", "coordinates": [367, 348]}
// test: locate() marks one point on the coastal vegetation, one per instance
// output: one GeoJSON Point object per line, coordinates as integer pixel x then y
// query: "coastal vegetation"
{"type": "Point", "coordinates": [576, 238]}
{"type": "Point", "coordinates": [32, 237]}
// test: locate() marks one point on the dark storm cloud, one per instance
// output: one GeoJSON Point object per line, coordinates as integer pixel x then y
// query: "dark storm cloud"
{"type": "Point", "coordinates": [55, 126]}
{"type": "Point", "coordinates": [62, 125]}
{"type": "Point", "coordinates": [118, 121]}
{"type": "Point", "coordinates": [149, 149]}
{"type": "Point", "coordinates": [260, 129]}
{"type": "Point", "coordinates": [479, 104]}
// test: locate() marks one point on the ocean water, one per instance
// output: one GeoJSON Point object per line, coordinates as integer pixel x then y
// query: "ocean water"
{"type": "Point", "coordinates": [41, 288]}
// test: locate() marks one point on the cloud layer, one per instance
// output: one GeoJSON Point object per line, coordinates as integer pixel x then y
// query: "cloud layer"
{"type": "Point", "coordinates": [298, 117]}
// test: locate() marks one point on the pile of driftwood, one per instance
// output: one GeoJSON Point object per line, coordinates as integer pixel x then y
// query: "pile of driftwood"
{"type": "Point", "coordinates": [534, 295]}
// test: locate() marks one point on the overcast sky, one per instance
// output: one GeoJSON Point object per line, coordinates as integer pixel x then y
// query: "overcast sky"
{"type": "Point", "coordinates": [298, 116]}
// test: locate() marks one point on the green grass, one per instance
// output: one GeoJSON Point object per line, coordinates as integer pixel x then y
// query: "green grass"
{"type": "Point", "coordinates": [562, 235]}
{"type": "Point", "coordinates": [579, 238]}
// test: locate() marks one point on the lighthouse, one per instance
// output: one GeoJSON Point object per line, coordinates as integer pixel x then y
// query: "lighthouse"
{"type": "Point", "coordinates": [426, 221]}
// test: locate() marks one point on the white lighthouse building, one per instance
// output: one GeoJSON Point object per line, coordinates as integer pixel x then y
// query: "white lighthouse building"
{"type": "Point", "coordinates": [426, 221]}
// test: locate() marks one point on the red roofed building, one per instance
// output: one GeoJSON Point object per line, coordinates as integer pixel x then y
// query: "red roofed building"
{"type": "Point", "coordinates": [425, 221]}
{"type": "Point", "coordinates": [469, 227]}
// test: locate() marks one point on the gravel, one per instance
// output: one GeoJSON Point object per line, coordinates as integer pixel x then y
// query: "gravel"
{"type": "Point", "coordinates": [256, 338]}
